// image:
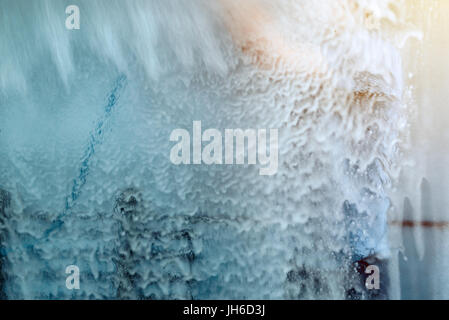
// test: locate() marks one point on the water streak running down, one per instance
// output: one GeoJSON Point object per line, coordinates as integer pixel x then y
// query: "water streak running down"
{"type": "Point", "coordinates": [95, 139]}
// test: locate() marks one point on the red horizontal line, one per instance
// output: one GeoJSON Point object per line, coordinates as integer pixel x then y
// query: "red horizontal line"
{"type": "Point", "coordinates": [425, 224]}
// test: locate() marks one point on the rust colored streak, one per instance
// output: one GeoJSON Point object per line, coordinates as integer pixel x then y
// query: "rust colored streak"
{"type": "Point", "coordinates": [425, 224]}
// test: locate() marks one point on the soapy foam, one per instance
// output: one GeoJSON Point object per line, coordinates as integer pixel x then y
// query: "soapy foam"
{"type": "Point", "coordinates": [331, 81]}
